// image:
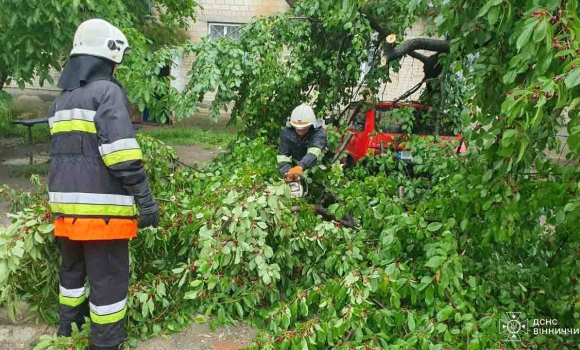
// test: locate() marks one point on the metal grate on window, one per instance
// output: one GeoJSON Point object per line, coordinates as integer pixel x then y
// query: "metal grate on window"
{"type": "Point", "coordinates": [222, 30]}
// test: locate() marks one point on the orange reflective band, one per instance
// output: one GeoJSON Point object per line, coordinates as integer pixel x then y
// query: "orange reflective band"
{"type": "Point", "coordinates": [299, 123]}
{"type": "Point", "coordinates": [89, 229]}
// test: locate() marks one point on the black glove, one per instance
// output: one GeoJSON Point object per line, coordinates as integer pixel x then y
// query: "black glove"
{"type": "Point", "coordinates": [148, 210]}
{"type": "Point", "coordinates": [146, 220]}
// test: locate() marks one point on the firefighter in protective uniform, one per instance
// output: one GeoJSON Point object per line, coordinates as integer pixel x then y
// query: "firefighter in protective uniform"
{"type": "Point", "coordinates": [96, 183]}
{"type": "Point", "coordinates": [302, 140]}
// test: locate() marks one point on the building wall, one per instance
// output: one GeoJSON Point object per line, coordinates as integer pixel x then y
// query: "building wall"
{"type": "Point", "coordinates": [411, 71]}
{"type": "Point", "coordinates": [222, 11]}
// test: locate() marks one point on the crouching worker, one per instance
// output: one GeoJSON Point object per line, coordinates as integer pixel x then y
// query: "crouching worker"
{"type": "Point", "coordinates": [302, 140]}
{"type": "Point", "coordinates": [96, 178]}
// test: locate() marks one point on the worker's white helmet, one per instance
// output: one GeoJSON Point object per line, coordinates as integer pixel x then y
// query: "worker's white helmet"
{"type": "Point", "coordinates": [302, 117]}
{"type": "Point", "coordinates": [100, 38]}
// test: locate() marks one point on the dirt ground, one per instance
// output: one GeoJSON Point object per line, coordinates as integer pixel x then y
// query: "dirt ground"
{"type": "Point", "coordinates": [22, 335]}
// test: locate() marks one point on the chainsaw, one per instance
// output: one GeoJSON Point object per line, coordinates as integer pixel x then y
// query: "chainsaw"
{"type": "Point", "coordinates": [294, 181]}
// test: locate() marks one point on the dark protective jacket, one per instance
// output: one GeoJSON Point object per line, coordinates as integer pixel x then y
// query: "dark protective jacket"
{"type": "Point", "coordinates": [306, 151]}
{"type": "Point", "coordinates": [96, 163]}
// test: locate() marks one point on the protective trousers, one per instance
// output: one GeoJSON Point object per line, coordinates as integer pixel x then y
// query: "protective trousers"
{"type": "Point", "coordinates": [107, 265]}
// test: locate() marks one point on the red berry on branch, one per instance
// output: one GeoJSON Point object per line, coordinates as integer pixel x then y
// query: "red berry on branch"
{"type": "Point", "coordinates": [563, 58]}
{"type": "Point", "coordinates": [538, 87]}
{"type": "Point", "coordinates": [557, 46]}
{"type": "Point", "coordinates": [554, 19]}
{"type": "Point", "coordinates": [548, 95]}
{"type": "Point", "coordinates": [535, 96]}
{"type": "Point", "coordinates": [555, 40]}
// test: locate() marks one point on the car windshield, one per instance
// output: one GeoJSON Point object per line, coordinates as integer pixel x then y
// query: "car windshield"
{"type": "Point", "coordinates": [358, 121]}
{"type": "Point", "coordinates": [408, 120]}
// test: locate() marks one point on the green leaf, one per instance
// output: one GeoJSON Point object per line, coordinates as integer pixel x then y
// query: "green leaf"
{"type": "Point", "coordinates": [429, 295]}
{"type": "Point", "coordinates": [444, 313]}
{"type": "Point", "coordinates": [434, 226]}
{"type": "Point", "coordinates": [493, 15]}
{"type": "Point", "coordinates": [541, 30]}
{"type": "Point", "coordinates": [508, 135]}
{"type": "Point", "coordinates": [46, 228]}
{"type": "Point", "coordinates": [564, 53]}
{"type": "Point", "coordinates": [240, 310]}
{"type": "Point", "coordinates": [435, 262]}
{"type": "Point", "coordinates": [38, 238]}
{"type": "Point", "coordinates": [525, 35]}
{"type": "Point", "coordinates": [190, 295]}
{"type": "Point", "coordinates": [18, 251]}
{"type": "Point", "coordinates": [161, 289]}
{"type": "Point", "coordinates": [411, 322]}
{"type": "Point", "coordinates": [485, 8]}
{"type": "Point", "coordinates": [156, 328]}
{"type": "Point", "coordinates": [573, 78]}
{"type": "Point", "coordinates": [487, 176]}
{"type": "Point", "coordinates": [510, 76]}
{"type": "Point", "coordinates": [523, 148]}
{"type": "Point", "coordinates": [544, 63]}
{"type": "Point", "coordinates": [196, 283]}
{"type": "Point", "coordinates": [571, 206]}
{"type": "Point", "coordinates": [3, 271]}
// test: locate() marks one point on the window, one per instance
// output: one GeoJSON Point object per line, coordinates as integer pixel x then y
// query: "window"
{"type": "Point", "coordinates": [405, 119]}
{"type": "Point", "coordinates": [222, 30]}
{"type": "Point", "coordinates": [390, 120]}
{"type": "Point", "coordinates": [358, 120]}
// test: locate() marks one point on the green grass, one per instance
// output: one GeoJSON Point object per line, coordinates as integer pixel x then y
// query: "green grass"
{"type": "Point", "coordinates": [180, 136]}
{"type": "Point", "coordinates": [27, 170]}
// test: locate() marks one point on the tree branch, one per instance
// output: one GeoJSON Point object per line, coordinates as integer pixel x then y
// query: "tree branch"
{"type": "Point", "coordinates": [419, 56]}
{"type": "Point", "coordinates": [3, 78]}
{"type": "Point", "coordinates": [393, 52]}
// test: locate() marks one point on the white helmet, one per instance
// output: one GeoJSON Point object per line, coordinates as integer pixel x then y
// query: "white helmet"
{"type": "Point", "coordinates": [100, 38]}
{"type": "Point", "coordinates": [302, 117]}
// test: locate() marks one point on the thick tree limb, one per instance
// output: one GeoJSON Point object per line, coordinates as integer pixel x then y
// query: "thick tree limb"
{"type": "Point", "coordinates": [393, 52]}
{"type": "Point", "coordinates": [419, 56]}
{"type": "Point", "coordinates": [3, 78]}
{"type": "Point", "coordinates": [408, 47]}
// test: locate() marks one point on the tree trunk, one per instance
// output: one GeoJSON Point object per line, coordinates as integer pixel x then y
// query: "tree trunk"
{"type": "Point", "coordinates": [3, 78]}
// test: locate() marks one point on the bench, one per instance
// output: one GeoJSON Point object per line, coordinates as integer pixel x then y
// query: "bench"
{"type": "Point", "coordinates": [29, 124]}
{"type": "Point", "coordinates": [32, 122]}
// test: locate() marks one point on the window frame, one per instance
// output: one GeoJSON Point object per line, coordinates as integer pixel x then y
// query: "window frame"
{"type": "Point", "coordinates": [230, 27]}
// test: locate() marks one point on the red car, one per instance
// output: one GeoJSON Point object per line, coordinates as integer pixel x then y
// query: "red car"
{"type": "Point", "coordinates": [375, 131]}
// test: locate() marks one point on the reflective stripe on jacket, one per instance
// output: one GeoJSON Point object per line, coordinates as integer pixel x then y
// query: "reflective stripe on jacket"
{"type": "Point", "coordinates": [93, 153]}
{"type": "Point", "coordinates": [306, 151]}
